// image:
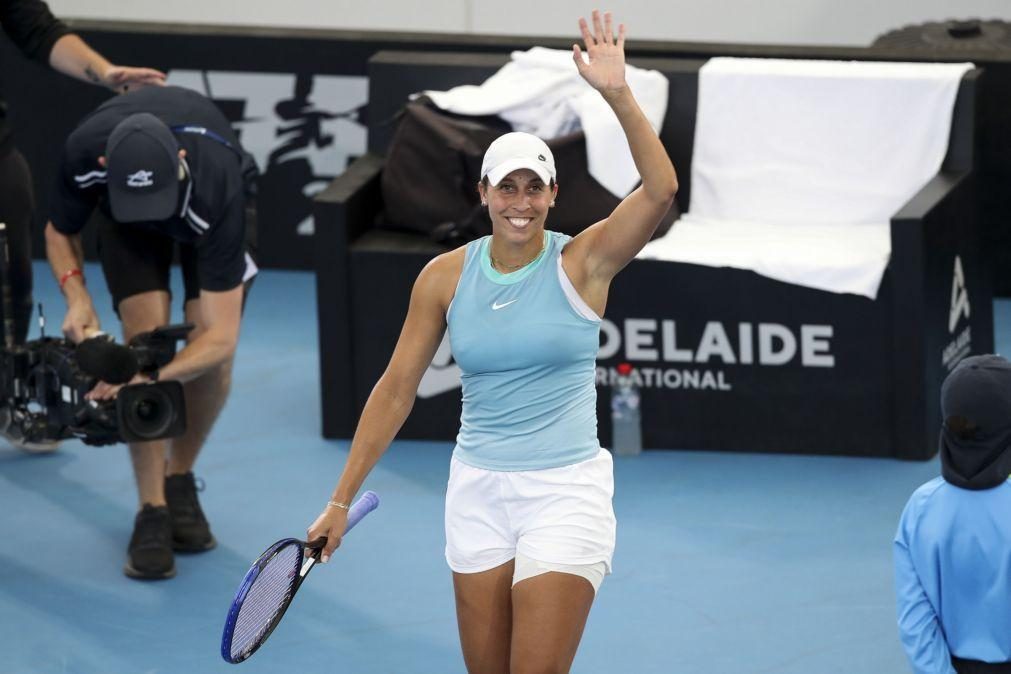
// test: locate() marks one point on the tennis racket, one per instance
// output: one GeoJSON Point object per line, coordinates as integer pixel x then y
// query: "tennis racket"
{"type": "Point", "coordinates": [270, 585]}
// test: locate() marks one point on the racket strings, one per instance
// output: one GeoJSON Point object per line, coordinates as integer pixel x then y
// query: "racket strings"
{"type": "Point", "coordinates": [268, 596]}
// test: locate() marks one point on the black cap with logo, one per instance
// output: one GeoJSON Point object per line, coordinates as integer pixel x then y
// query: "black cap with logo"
{"type": "Point", "coordinates": [142, 158]}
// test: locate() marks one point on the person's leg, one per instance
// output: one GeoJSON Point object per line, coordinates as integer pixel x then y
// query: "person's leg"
{"type": "Point", "coordinates": [549, 613]}
{"type": "Point", "coordinates": [142, 313]}
{"type": "Point", "coordinates": [484, 617]}
{"type": "Point", "coordinates": [205, 397]}
{"type": "Point", "coordinates": [480, 547]}
{"type": "Point", "coordinates": [566, 540]}
{"type": "Point", "coordinates": [149, 554]}
{"type": "Point", "coordinates": [135, 262]}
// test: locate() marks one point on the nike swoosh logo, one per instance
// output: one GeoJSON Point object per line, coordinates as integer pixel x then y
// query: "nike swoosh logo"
{"type": "Point", "coordinates": [496, 306]}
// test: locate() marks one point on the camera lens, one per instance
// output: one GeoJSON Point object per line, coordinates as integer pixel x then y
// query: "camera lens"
{"type": "Point", "coordinates": [147, 410]}
{"type": "Point", "coordinates": [149, 414]}
{"type": "Point", "coordinates": [151, 411]}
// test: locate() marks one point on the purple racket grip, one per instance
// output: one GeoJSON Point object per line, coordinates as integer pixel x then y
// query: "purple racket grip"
{"type": "Point", "coordinates": [362, 507]}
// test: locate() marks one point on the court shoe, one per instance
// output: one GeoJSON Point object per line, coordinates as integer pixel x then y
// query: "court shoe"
{"type": "Point", "coordinates": [149, 556]}
{"type": "Point", "coordinates": [190, 531]}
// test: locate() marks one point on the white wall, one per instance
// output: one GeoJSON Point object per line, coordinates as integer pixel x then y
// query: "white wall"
{"type": "Point", "coordinates": [395, 15]}
{"type": "Point", "coordinates": [812, 22]}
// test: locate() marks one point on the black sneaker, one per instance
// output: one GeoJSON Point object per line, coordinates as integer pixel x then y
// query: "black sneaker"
{"type": "Point", "coordinates": [190, 531]}
{"type": "Point", "coordinates": [149, 556]}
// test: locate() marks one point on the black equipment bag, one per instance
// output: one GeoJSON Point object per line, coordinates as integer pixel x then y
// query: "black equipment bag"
{"type": "Point", "coordinates": [433, 166]}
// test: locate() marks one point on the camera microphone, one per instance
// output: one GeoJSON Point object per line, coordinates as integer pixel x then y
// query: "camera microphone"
{"type": "Point", "coordinates": [106, 360]}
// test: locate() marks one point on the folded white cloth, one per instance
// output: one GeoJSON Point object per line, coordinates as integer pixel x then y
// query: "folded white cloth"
{"type": "Point", "coordinates": [541, 92]}
{"type": "Point", "coordinates": [785, 150]}
{"type": "Point", "coordinates": [841, 259]}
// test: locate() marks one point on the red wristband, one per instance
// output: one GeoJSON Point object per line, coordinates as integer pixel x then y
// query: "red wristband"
{"type": "Point", "coordinates": [67, 275]}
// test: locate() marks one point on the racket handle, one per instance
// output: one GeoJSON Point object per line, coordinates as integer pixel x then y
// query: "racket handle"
{"type": "Point", "coordinates": [362, 507]}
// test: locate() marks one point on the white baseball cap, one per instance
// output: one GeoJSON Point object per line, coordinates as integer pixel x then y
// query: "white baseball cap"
{"type": "Point", "coordinates": [517, 150]}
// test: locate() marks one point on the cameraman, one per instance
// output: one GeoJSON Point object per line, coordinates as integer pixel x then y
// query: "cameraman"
{"type": "Point", "coordinates": [42, 37]}
{"type": "Point", "coordinates": [160, 168]}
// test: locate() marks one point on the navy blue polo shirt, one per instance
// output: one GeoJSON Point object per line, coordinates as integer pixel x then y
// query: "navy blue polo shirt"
{"type": "Point", "coordinates": [211, 209]}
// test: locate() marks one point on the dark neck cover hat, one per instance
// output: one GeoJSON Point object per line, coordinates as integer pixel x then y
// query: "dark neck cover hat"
{"type": "Point", "coordinates": [143, 164]}
{"type": "Point", "coordinates": [976, 432]}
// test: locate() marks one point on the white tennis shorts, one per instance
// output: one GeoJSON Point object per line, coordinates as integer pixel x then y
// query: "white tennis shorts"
{"type": "Point", "coordinates": [556, 515]}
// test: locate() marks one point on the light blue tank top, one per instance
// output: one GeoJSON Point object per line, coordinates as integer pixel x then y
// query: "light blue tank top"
{"type": "Point", "coordinates": [528, 360]}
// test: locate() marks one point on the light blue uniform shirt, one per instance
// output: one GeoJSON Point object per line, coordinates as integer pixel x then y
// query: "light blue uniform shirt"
{"type": "Point", "coordinates": [528, 360]}
{"type": "Point", "coordinates": [953, 576]}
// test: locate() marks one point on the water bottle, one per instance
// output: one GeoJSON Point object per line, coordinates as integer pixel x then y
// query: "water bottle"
{"type": "Point", "coordinates": [626, 422]}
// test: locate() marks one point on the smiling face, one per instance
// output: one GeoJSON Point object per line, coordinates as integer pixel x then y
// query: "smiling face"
{"type": "Point", "coordinates": [518, 205]}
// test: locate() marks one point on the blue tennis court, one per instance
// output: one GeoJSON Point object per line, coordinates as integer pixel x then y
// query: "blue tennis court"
{"type": "Point", "coordinates": [733, 563]}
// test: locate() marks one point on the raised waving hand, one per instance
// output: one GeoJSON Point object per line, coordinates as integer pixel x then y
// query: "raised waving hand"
{"type": "Point", "coordinates": [604, 67]}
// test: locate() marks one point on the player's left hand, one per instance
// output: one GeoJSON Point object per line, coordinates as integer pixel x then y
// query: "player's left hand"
{"type": "Point", "coordinates": [122, 79]}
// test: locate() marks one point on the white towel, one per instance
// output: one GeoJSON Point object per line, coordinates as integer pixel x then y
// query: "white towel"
{"type": "Point", "coordinates": [541, 92]}
{"type": "Point", "coordinates": [827, 257]}
{"type": "Point", "coordinates": [790, 149]}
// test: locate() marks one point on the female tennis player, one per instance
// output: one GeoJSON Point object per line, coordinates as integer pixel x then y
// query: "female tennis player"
{"type": "Point", "coordinates": [529, 525]}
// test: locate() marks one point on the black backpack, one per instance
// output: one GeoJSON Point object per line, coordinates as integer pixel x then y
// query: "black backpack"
{"type": "Point", "coordinates": [433, 165]}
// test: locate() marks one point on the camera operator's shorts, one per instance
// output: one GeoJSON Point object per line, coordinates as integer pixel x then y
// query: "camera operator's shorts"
{"type": "Point", "coordinates": [138, 259]}
{"type": "Point", "coordinates": [556, 515]}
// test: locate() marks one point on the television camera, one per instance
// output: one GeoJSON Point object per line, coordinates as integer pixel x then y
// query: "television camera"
{"type": "Point", "coordinates": [43, 383]}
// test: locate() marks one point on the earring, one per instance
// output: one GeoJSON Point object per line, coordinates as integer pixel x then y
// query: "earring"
{"type": "Point", "coordinates": [552, 203]}
{"type": "Point", "coordinates": [484, 203]}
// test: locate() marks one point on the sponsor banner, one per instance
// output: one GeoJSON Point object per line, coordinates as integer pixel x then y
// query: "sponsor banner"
{"type": "Point", "coordinates": [652, 346]}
